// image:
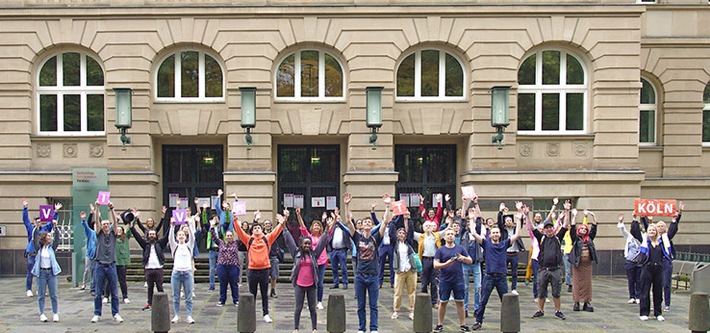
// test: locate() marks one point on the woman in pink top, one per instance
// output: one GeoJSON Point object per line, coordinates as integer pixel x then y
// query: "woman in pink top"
{"type": "Point", "coordinates": [315, 235]}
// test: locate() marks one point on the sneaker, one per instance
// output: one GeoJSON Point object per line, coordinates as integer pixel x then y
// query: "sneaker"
{"type": "Point", "coordinates": [118, 318]}
{"type": "Point", "coordinates": [538, 314]}
{"type": "Point", "coordinates": [435, 305]}
{"type": "Point", "coordinates": [569, 288]}
{"type": "Point", "coordinates": [220, 304]}
{"type": "Point", "coordinates": [126, 300]}
{"type": "Point", "coordinates": [360, 331]}
{"type": "Point", "coordinates": [272, 294]}
{"type": "Point", "coordinates": [175, 319]}
{"type": "Point", "coordinates": [660, 318]}
{"type": "Point", "coordinates": [335, 287]}
{"type": "Point", "coordinates": [145, 284]}
{"type": "Point", "coordinates": [638, 301]}
{"type": "Point", "coordinates": [146, 307]}
{"type": "Point", "coordinates": [210, 289]}
{"type": "Point", "coordinates": [476, 326]}
{"type": "Point", "coordinates": [189, 320]}
{"type": "Point", "coordinates": [95, 319]}
{"type": "Point", "coordinates": [464, 328]}
{"type": "Point", "coordinates": [93, 294]}
{"type": "Point", "coordinates": [643, 318]}
{"type": "Point", "coordinates": [55, 318]}
{"type": "Point", "coordinates": [559, 314]}
{"type": "Point", "coordinates": [514, 292]}
{"type": "Point", "coordinates": [411, 316]}
{"type": "Point", "coordinates": [43, 318]}
{"type": "Point", "coordinates": [236, 304]}
{"type": "Point", "coordinates": [182, 294]}
{"type": "Point", "coordinates": [374, 332]}
{"type": "Point", "coordinates": [547, 300]}
{"type": "Point", "coordinates": [438, 328]}
{"type": "Point", "coordinates": [83, 287]}
{"type": "Point", "coordinates": [667, 308]}
{"type": "Point", "coordinates": [29, 293]}
{"type": "Point", "coordinates": [320, 306]}
{"type": "Point", "coordinates": [631, 301]}
{"type": "Point", "coordinates": [193, 295]}
{"type": "Point", "coordinates": [395, 315]}
{"type": "Point", "coordinates": [105, 300]}
{"type": "Point", "coordinates": [267, 319]}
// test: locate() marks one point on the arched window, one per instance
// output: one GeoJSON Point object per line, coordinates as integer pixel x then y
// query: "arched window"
{"type": "Point", "coordinates": [430, 74]}
{"type": "Point", "coordinates": [647, 113]}
{"type": "Point", "coordinates": [552, 94]}
{"type": "Point", "coordinates": [309, 75]}
{"type": "Point", "coordinates": [188, 76]}
{"type": "Point", "coordinates": [706, 115]}
{"type": "Point", "coordinates": [70, 95]}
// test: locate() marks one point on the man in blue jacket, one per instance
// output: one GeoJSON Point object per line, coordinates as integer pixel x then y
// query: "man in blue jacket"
{"type": "Point", "coordinates": [30, 226]}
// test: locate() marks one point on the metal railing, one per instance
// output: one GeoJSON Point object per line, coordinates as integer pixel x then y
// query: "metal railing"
{"type": "Point", "coordinates": [695, 257]}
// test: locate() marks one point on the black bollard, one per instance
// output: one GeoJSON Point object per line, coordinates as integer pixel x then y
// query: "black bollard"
{"type": "Point", "coordinates": [246, 314]}
{"type": "Point", "coordinates": [699, 313]}
{"type": "Point", "coordinates": [335, 320]}
{"type": "Point", "coordinates": [422, 314]}
{"type": "Point", "coordinates": [510, 314]}
{"type": "Point", "coordinates": [160, 313]}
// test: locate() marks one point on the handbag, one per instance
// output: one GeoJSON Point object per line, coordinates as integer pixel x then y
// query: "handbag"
{"type": "Point", "coordinates": [413, 257]}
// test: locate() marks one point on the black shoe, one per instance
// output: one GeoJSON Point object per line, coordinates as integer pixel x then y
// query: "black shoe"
{"type": "Point", "coordinates": [476, 326]}
{"type": "Point", "coordinates": [588, 307]}
{"type": "Point", "coordinates": [466, 313]}
{"type": "Point", "coordinates": [345, 287]}
{"type": "Point", "coordinates": [334, 287]}
{"type": "Point", "coordinates": [438, 328]}
{"type": "Point", "coordinates": [146, 307]}
{"type": "Point", "coordinates": [464, 328]}
{"type": "Point", "coordinates": [559, 314]}
{"type": "Point", "coordinates": [538, 314]}
{"type": "Point", "coordinates": [569, 288]}
{"type": "Point", "coordinates": [576, 307]}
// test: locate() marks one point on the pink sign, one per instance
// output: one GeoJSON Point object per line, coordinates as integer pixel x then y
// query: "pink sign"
{"type": "Point", "coordinates": [180, 216]}
{"type": "Point", "coordinates": [399, 207]}
{"type": "Point", "coordinates": [46, 213]}
{"type": "Point", "coordinates": [239, 208]}
{"type": "Point", "coordinates": [104, 197]}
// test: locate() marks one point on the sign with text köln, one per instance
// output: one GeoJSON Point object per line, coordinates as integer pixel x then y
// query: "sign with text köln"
{"type": "Point", "coordinates": [653, 207]}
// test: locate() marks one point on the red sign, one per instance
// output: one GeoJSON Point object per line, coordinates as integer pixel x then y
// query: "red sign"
{"type": "Point", "coordinates": [653, 207]}
{"type": "Point", "coordinates": [399, 207]}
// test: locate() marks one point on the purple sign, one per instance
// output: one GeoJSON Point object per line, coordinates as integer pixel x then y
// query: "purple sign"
{"type": "Point", "coordinates": [46, 213]}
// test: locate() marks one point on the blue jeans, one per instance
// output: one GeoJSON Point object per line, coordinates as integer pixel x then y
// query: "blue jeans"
{"type": "Point", "coordinates": [228, 275]}
{"type": "Point", "coordinates": [498, 281]}
{"type": "Point", "coordinates": [321, 276]}
{"type": "Point", "coordinates": [184, 279]}
{"type": "Point", "coordinates": [369, 285]}
{"type": "Point", "coordinates": [213, 267]}
{"type": "Point", "coordinates": [339, 260]}
{"type": "Point", "coordinates": [667, 273]}
{"type": "Point", "coordinates": [106, 275]}
{"type": "Point", "coordinates": [30, 265]}
{"type": "Point", "coordinates": [513, 260]}
{"type": "Point", "coordinates": [475, 270]}
{"type": "Point", "coordinates": [535, 267]}
{"type": "Point", "coordinates": [386, 254]}
{"type": "Point", "coordinates": [633, 275]}
{"type": "Point", "coordinates": [92, 268]}
{"type": "Point", "coordinates": [47, 279]}
{"type": "Point", "coordinates": [568, 269]}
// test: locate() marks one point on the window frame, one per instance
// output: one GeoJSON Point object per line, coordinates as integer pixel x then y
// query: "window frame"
{"type": "Point", "coordinates": [297, 78]}
{"type": "Point", "coordinates": [649, 107]}
{"type": "Point", "coordinates": [706, 108]}
{"type": "Point", "coordinates": [442, 78]}
{"type": "Point", "coordinates": [538, 89]}
{"type": "Point", "coordinates": [59, 90]}
{"type": "Point", "coordinates": [201, 84]}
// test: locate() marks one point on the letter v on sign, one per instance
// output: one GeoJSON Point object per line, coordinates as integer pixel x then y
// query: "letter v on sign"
{"type": "Point", "coordinates": [46, 213]}
{"type": "Point", "coordinates": [180, 215]}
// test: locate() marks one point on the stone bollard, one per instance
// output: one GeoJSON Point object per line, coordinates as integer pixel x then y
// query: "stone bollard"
{"type": "Point", "coordinates": [510, 314]}
{"type": "Point", "coordinates": [699, 313]}
{"type": "Point", "coordinates": [160, 313]}
{"type": "Point", "coordinates": [335, 320]}
{"type": "Point", "coordinates": [246, 314]}
{"type": "Point", "coordinates": [422, 314]}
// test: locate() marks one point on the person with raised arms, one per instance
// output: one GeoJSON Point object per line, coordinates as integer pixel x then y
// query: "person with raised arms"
{"type": "Point", "coordinates": [105, 272]}
{"type": "Point", "coordinates": [181, 277]}
{"type": "Point", "coordinates": [153, 259]}
{"type": "Point", "coordinates": [30, 252]}
{"type": "Point", "coordinates": [46, 269]}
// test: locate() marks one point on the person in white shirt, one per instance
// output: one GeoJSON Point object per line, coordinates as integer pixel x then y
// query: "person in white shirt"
{"type": "Point", "coordinates": [182, 269]}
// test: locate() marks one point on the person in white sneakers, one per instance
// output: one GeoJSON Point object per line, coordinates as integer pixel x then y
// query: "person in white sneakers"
{"type": "Point", "coordinates": [182, 269]}
{"type": "Point", "coordinates": [654, 249]}
{"type": "Point", "coordinates": [105, 272]}
{"type": "Point", "coordinates": [30, 253]}
{"type": "Point", "coordinates": [46, 269]}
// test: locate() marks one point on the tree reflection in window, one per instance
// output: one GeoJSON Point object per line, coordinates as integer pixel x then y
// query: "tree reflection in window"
{"type": "Point", "coordinates": [310, 74]}
{"type": "Point", "coordinates": [189, 74]}
{"type": "Point", "coordinates": [430, 74]}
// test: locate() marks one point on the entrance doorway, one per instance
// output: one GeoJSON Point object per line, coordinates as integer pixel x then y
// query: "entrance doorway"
{"type": "Point", "coordinates": [426, 170]}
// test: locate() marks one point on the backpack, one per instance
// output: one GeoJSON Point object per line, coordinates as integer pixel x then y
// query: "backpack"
{"type": "Point", "coordinates": [251, 240]}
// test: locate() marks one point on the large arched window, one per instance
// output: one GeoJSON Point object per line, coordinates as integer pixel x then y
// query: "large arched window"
{"type": "Point", "coordinates": [189, 76]}
{"type": "Point", "coordinates": [310, 75]}
{"type": "Point", "coordinates": [706, 115]}
{"type": "Point", "coordinates": [552, 94]}
{"type": "Point", "coordinates": [647, 113]}
{"type": "Point", "coordinates": [70, 95]}
{"type": "Point", "coordinates": [430, 75]}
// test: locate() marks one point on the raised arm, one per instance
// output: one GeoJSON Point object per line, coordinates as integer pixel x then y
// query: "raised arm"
{"type": "Point", "coordinates": [26, 217]}
{"type": "Point", "coordinates": [347, 197]}
{"type": "Point", "coordinates": [636, 229]}
{"type": "Point", "coordinates": [472, 229]}
{"type": "Point", "coordinates": [290, 243]}
{"type": "Point", "coordinates": [215, 237]}
{"type": "Point", "coordinates": [97, 218]}
{"type": "Point", "coordinates": [136, 235]}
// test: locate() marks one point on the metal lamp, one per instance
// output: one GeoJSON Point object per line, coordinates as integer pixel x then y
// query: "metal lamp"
{"type": "Point", "coordinates": [500, 119]}
{"type": "Point", "coordinates": [248, 112]}
{"type": "Point", "coordinates": [374, 111]}
{"type": "Point", "coordinates": [124, 110]}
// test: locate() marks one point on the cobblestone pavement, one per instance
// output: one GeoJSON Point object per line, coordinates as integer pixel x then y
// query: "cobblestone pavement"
{"type": "Point", "coordinates": [19, 313]}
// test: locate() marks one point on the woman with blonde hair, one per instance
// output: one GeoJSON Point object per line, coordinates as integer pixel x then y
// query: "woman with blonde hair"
{"type": "Point", "coordinates": [654, 249]}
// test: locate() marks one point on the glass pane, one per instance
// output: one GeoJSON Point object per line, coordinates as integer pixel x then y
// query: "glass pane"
{"type": "Point", "coordinates": [575, 73]}
{"type": "Point", "coordinates": [575, 112]}
{"type": "Point", "coordinates": [405, 77]}
{"type": "Point", "coordinates": [706, 125]}
{"type": "Point", "coordinates": [190, 73]}
{"type": "Point", "coordinates": [94, 73]}
{"type": "Point", "coordinates": [210, 164]}
{"type": "Point", "coordinates": [166, 77]}
{"type": "Point", "coordinates": [72, 113]}
{"type": "Point", "coordinates": [309, 74]}
{"type": "Point", "coordinates": [324, 165]}
{"type": "Point", "coordinates": [48, 113]}
{"type": "Point", "coordinates": [550, 112]}
{"type": "Point", "coordinates": [526, 74]}
{"type": "Point", "coordinates": [430, 73]}
{"type": "Point", "coordinates": [454, 77]}
{"type": "Point", "coordinates": [706, 94]}
{"type": "Point", "coordinates": [333, 77]}
{"type": "Point", "coordinates": [410, 164]}
{"type": "Point", "coordinates": [71, 69]}
{"type": "Point", "coordinates": [292, 167]}
{"type": "Point", "coordinates": [439, 166]}
{"type": "Point", "coordinates": [551, 67]}
{"type": "Point", "coordinates": [213, 78]}
{"type": "Point", "coordinates": [48, 74]}
{"type": "Point", "coordinates": [95, 112]}
{"type": "Point", "coordinates": [648, 95]}
{"type": "Point", "coordinates": [285, 78]}
{"type": "Point", "coordinates": [647, 126]}
{"type": "Point", "coordinates": [526, 112]}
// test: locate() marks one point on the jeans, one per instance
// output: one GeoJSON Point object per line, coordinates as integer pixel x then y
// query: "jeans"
{"type": "Point", "coordinates": [513, 260]}
{"type": "Point", "coordinates": [88, 272]}
{"type": "Point", "coordinates": [259, 278]}
{"type": "Point", "coordinates": [498, 281]}
{"type": "Point", "coordinates": [106, 275]}
{"type": "Point", "coordinates": [430, 277]}
{"type": "Point", "coordinates": [300, 293]}
{"type": "Point", "coordinates": [321, 276]}
{"type": "Point", "coordinates": [633, 275]}
{"type": "Point", "coordinates": [92, 267]}
{"type": "Point", "coordinates": [213, 267]}
{"type": "Point", "coordinates": [667, 273]}
{"type": "Point", "coordinates": [568, 269]}
{"type": "Point", "coordinates": [228, 275]}
{"type": "Point", "coordinates": [535, 268]}
{"type": "Point", "coordinates": [30, 265]}
{"type": "Point", "coordinates": [386, 254]}
{"type": "Point", "coordinates": [651, 274]}
{"type": "Point", "coordinates": [367, 285]}
{"type": "Point", "coordinates": [154, 277]}
{"type": "Point", "coordinates": [475, 270]}
{"type": "Point", "coordinates": [339, 260]}
{"type": "Point", "coordinates": [47, 279]}
{"type": "Point", "coordinates": [182, 279]}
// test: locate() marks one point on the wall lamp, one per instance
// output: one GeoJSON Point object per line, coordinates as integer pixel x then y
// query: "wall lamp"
{"type": "Point", "coordinates": [500, 112]}
{"type": "Point", "coordinates": [374, 111]}
{"type": "Point", "coordinates": [124, 110]}
{"type": "Point", "coordinates": [248, 112]}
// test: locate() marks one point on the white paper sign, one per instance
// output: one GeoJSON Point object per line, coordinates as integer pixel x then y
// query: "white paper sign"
{"type": "Point", "coordinates": [239, 208]}
{"type": "Point", "coordinates": [405, 197]}
{"type": "Point", "coordinates": [288, 200]}
{"type": "Point", "coordinates": [298, 200]}
{"type": "Point", "coordinates": [331, 202]}
{"type": "Point", "coordinates": [215, 202]}
{"type": "Point", "coordinates": [172, 199]}
{"type": "Point", "coordinates": [317, 201]}
{"type": "Point", "coordinates": [183, 203]}
{"type": "Point", "coordinates": [414, 199]}
{"type": "Point", "coordinates": [203, 202]}
{"type": "Point", "coordinates": [436, 199]}
{"type": "Point", "coordinates": [468, 192]}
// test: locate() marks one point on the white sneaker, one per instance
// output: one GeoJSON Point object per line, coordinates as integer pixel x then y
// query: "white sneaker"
{"type": "Point", "coordinates": [95, 319]}
{"type": "Point", "coordinates": [514, 292]}
{"type": "Point", "coordinates": [374, 332]}
{"type": "Point", "coordinates": [175, 319]}
{"type": "Point", "coordinates": [55, 318]}
{"type": "Point", "coordinates": [267, 319]}
{"type": "Point", "coordinates": [631, 301]}
{"type": "Point", "coordinates": [360, 331]}
{"type": "Point", "coordinates": [105, 300]}
{"type": "Point", "coordinates": [182, 294]}
{"type": "Point", "coordinates": [193, 295]}
{"type": "Point", "coordinates": [145, 284]}
{"type": "Point", "coordinates": [547, 300]}
{"type": "Point", "coordinates": [395, 315]}
{"type": "Point", "coordinates": [126, 300]}
{"type": "Point", "coordinates": [411, 316]}
{"type": "Point", "coordinates": [643, 318]}
{"type": "Point", "coordinates": [638, 301]}
{"type": "Point", "coordinates": [189, 320]}
{"type": "Point", "coordinates": [118, 318]}
{"type": "Point", "coordinates": [43, 318]}
{"type": "Point", "coordinates": [660, 318]}
{"type": "Point", "coordinates": [29, 293]}
{"type": "Point", "coordinates": [319, 306]}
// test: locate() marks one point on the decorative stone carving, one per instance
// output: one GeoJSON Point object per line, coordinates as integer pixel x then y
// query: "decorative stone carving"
{"type": "Point", "coordinates": [553, 149]}
{"type": "Point", "coordinates": [70, 150]}
{"type": "Point", "coordinates": [96, 150]}
{"type": "Point", "coordinates": [44, 150]}
{"type": "Point", "coordinates": [526, 150]}
{"type": "Point", "coordinates": [580, 149]}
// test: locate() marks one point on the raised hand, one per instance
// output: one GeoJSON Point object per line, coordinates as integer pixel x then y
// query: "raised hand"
{"type": "Point", "coordinates": [372, 207]}
{"type": "Point", "coordinates": [110, 205]}
{"type": "Point", "coordinates": [567, 205]}
{"type": "Point", "coordinates": [421, 198]}
{"type": "Point", "coordinates": [586, 212]}
{"type": "Point", "coordinates": [518, 205]}
{"type": "Point", "coordinates": [501, 207]}
{"type": "Point", "coordinates": [82, 215]}
{"type": "Point", "coordinates": [220, 192]}
{"type": "Point", "coordinates": [621, 217]}
{"type": "Point", "coordinates": [574, 212]}
{"type": "Point", "coordinates": [555, 201]}
{"type": "Point", "coordinates": [526, 209]}
{"type": "Point", "coordinates": [57, 206]}
{"type": "Point", "coordinates": [196, 201]}
{"type": "Point", "coordinates": [164, 210]}
{"type": "Point", "coordinates": [287, 213]}
{"type": "Point", "coordinates": [25, 203]}
{"type": "Point", "coordinates": [172, 221]}
{"type": "Point", "coordinates": [324, 216]}
{"type": "Point", "coordinates": [257, 215]}
{"type": "Point", "coordinates": [386, 199]}
{"type": "Point", "coordinates": [681, 206]}
{"type": "Point", "coordinates": [233, 194]}
{"type": "Point", "coordinates": [279, 218]}
{"type": "Point", "coordinates": [447, 197]}
{"type": "Point", "coordinates": [347, 197]}
{"type": "Point", "coordinates": [92, 208]}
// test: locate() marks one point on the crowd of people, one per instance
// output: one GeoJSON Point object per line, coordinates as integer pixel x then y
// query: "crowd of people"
{"type": "Point", "coordinates": [447, 246]}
